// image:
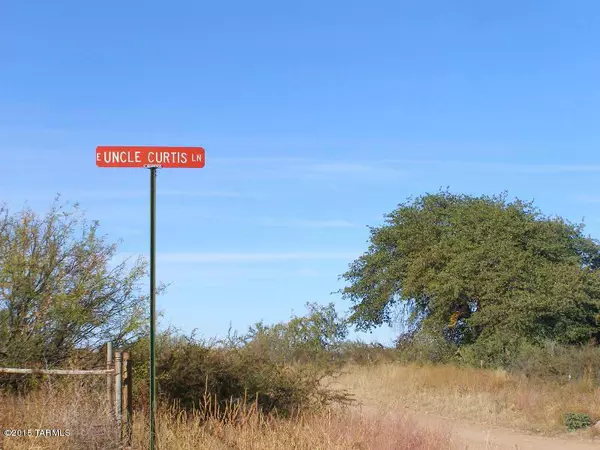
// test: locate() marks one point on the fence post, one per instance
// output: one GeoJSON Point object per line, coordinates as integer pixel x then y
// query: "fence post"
{"type": "Point", "coordinates": [118, 388]}
{"type": "Point", "coordinates": [128, 396]}
{"type": "Point", "coordinates": [109, 378]}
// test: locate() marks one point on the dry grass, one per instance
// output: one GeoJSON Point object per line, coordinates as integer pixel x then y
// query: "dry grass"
{"type": "Point", "coordinates": [81, 408]}
{"type": "Point", "coordinates": [388, 391]}
{"type": "Point", "coordinates": [482, 396]}
{"type": "Point", "coordinates": [236, 427]}
{"type": "Point", "coordinates": [332, 431]}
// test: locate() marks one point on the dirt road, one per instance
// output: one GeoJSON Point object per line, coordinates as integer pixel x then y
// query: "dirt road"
{"type": "Point", "coordinates": [469, 436]}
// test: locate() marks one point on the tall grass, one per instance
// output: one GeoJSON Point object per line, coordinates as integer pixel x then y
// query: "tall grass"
{"type": "Point", "coordinates": [78, 407]}
{"type": "Point", "coordinates": [484, 396]}
{"type": "Point", "coordinates": [334, 430]}
{"type": "Point", "coordinates": [213, 426]}
{"type": "Point", "coordinates": [390, 392]}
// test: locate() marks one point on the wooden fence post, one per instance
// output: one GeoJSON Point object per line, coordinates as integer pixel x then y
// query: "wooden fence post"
{"type": "Point", "coordinates": [109, 377]}
{"type": "Point", "coordinates": [118, 387]}
{"type": "Point", "coordinates": [128, 396]}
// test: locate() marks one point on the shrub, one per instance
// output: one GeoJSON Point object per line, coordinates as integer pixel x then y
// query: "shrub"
{"type": "Point", "coordinates": [552, 360]}
{"type": "Point", "coordinates": [362, 353]}
{"type": "Point", "coordinates": [191, 372]}
{"type": "Point", "coordinates": [316, 337]}
{"type": "Point", "coordinates": [577, 421]}
{"type": "Point", "coordinates": [545, 360]}
{"type": "Point", "coordinates": [423, 347]}
{"type": "Point", "coordinates": [492, 352]}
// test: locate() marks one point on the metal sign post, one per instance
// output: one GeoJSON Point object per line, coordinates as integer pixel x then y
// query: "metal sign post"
{"type": "Point", "coordinates": [152, 306]}
{"type": "Point", "coordinates": [151, 158]}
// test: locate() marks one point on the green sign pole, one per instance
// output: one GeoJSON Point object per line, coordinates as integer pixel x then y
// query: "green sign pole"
{"type": "Point", "coordinates": [152, 306]}
{"type": "Point", "coordinates": [151, 158]}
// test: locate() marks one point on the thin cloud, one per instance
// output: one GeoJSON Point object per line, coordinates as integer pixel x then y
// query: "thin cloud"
{"type": "Point", "coordinates": [103, 194]}
{"type": "Point", "coordinates": [100, 194]}
{"type": "Point", "coordinates": [125, 231]}
{"type": "Point", "coordinates": [543, 168]}
{"type": "Point", "coordinates": [306, 273]}
{"type": "Point", "coordinates": [369, 170]}
{"type": "Point", "coordinates": [252, 257]}
{"type": "Point", "coordinates": [326, 171]}
{"type": "Point", "coordinates": [16, 155]}
{"type": "Point", "coordinates": [586, 198]}
{"type": "Point", "coordinates": [261, 160]}
{"type": "Point", "coordinates": [192, 274]}
{"type": "Point", "coordinates": [310, 168]}
{"type": "Point", "coordinates": [124, 194]}
{"type": "Point", "coordinates": [307, 167]}
{"type": "Point", "coordinates": [185, 193]}
{"type": "Point", "coordinates": [342, 167]}
{"type": "Point", "coordinates": [563, 168]}
{"type": "Point", "coordinates": [305, 223]}
{"type": "Point", "coordinates": [501, 166]}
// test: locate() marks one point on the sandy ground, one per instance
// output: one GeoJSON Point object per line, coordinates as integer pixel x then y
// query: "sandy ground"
{"type": "Point", "coordinates": [469, 436]}
{"type": "Point", "coordinates": [472, 436]}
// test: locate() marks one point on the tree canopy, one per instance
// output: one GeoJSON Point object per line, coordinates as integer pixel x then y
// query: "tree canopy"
{"type": "Point", "coordinates": [60, 287]}
{"type": "Point", "coordinates": [479, 271]}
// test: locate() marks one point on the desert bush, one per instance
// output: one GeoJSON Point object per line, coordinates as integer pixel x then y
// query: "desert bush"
{"type": "Point", "coordinates": [577, 421]}
{"type": "Point", "coordinates": [490, 353]}
{"type": "Point", "coordinates": [546, 360]}
{"type": "Point", "coordinates": [315, 338]}
{"type": "Point", "coordinates": [552, 360]}
{"type": "Point", "coordinates": [424, 348]}
{"type": "Point", "coordinates": [362, 353]}
{"type": "Point", "coordinates": [60, 289]}
{"type": "Point", "coordinates": [190, 371]}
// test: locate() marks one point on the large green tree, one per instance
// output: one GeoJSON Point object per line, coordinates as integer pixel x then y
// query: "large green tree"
{"type": "Point", "coordinates": [60, 287]}
{"type": "Point", "coordinates": [479, 271]}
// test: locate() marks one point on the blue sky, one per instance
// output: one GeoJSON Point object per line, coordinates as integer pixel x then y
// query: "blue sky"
{"type": "Point", "coordinates": [317, 118]}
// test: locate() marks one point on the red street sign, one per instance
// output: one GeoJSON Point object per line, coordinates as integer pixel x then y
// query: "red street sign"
{"type": "Point", "coordinates": [166, 157]}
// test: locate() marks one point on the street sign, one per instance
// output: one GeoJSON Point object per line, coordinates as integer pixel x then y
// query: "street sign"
{"type": "Point", "coordinates": [144, 157]}
{"type": "Point", "coordinates": [152, 158]}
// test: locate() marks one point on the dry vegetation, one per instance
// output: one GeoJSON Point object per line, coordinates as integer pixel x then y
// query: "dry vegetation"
{"type": "Point", "coordinates": [81, 408]}
{"type": "Point", "coordinates": [390, 392]}
{"type": "Point", "coordinates": [335, 431]}
{"type": "Point", "coordinates": [73, 407]}
{"type": "Point", "coordinates": [482, 396]}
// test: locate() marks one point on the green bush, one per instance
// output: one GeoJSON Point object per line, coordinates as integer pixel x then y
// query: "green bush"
{"type": "Point", "coordinates": [491, 352]}
{"type": "Point", "coordinates": [191, 372]}
{"type": "Point", "coordinates": [316, 338]}
{"type": "Point", "coordinates": [577, 421]}
{"type": "Point", "coordinates": [545, 360]}
{"type": "Point", "coordinates": [362, 353]}
{"type": "Point", "coordinates": [561, 362]}
{"type": "Point", "coordinates": [423, 347]}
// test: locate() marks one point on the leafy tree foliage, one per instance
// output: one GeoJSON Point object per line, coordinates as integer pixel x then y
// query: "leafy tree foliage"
{"type": "Point", "coordinates": [312, 337]}
{"type": "Point", "coordinates": [60, 288]}
{"type": "Point", "coordinates": [485, 273]}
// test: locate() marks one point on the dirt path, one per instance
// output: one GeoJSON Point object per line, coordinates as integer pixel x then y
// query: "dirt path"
{"type": "Point", "coordinates": [469, 436]}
